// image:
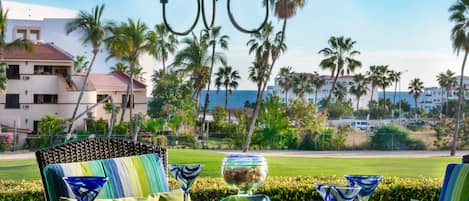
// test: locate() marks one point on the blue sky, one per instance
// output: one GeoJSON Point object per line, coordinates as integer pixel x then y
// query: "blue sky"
{"type": "Point", "coordinates": [410, 35]}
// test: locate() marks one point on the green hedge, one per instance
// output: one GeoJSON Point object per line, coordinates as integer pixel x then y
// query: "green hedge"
{"type": "Point", "coordinates": [278, 188]}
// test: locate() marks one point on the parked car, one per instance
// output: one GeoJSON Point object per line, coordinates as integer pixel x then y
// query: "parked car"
{"type": "Point", "coordinates": [362, 125]}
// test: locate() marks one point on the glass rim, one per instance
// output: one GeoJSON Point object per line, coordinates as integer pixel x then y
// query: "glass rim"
{"type": "Point", "coordinates": [180, 165]}
{"type": "Point", "coordinates": [364, 176]}
{"type": "Point", "coordinates": [85, 177]}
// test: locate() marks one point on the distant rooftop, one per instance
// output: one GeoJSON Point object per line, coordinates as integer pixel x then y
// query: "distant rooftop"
{"type": "Point", "coordinates": [113, 82]}
{"type": "Point", "coordinates": [24, 11]}
{"type": "Point", "coordinates": [42, 51]}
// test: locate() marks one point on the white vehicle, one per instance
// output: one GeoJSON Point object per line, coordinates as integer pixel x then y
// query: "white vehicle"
{"type": "Point", "coordinates": [362, 125]}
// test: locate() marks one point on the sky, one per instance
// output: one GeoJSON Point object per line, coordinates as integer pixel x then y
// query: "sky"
{"type": "Point", "coordinates": [408, 35]}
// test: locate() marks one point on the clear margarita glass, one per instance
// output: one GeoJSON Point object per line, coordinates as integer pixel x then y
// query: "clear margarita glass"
{"type": "Point", "coordinates": [337, 193]}
{"type": "Point", "coordinates": [185, 175]}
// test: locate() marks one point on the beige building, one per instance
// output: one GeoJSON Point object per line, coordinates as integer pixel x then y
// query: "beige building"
{"type": "Point", "coordinates": [45, 83]}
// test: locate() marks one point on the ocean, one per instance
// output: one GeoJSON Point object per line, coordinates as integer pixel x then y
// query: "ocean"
{"type": "Point", "coordinates": [239, 97]}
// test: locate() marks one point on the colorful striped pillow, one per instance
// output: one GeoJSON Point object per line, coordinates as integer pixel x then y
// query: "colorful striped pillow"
{"type": "Point", "coordinates": [54, 173]}
{"type": "Point", "coordinates": [456, 183]}
{"type": "Point", "coordinates": [136, 176]}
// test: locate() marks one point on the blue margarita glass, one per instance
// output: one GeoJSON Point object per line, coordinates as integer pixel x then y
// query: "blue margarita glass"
{"type": "Point", "coordinates": [368, 183]}
{"type": "Point", "coordinates": [185, 175]}
{"type": "Point", "coordinates": [85, 188]}
{"type": "Point", "coordinates": [337, 193]}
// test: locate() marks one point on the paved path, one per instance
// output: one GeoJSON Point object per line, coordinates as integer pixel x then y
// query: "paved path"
{"type": "Point", "coordinates": [312, 154]}
{"type": "Point", "coordinates": [356, 154]}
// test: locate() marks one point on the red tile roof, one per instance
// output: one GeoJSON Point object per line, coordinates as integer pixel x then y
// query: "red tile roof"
{"type": "Point", "coordinates": [42, 51]}
{"type": "Point", "coordinates": [113, 82]}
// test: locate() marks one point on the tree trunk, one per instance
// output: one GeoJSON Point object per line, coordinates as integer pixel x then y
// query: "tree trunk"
{"type": "Point", "coordinates": [207, 95]}
{"type": "Point", "coordinates": [332, 87]}
{"type": "Point", "coordinates": [371, 99]}
{"type": "Point", "coordinates": [447, 96]}
{"type": "Point", "coordinates": [82, 90]}
{"type": "Point", "coordinates": [358, 102]}
{"type": "Point", "coordinates": [384, 101]}
{"type": "Point", "coordinates": [132, 98]}
{"type": "Point", "coordinates": [315, 97]}
{"type": "Point", "coordinates": [226, 98]}
{"type": "Point", "coordinates": [458, 109]}
{"type": "Point", "coordinates": [164, 64]}
{"type": "Point", "coordinates": [395, 92]}
{"type": "Point", "coordinates": [125, 102]}
{"type": "Point", "coordinates": [286, 97]}
{"type": "Point", "coordinates": [260, 94]}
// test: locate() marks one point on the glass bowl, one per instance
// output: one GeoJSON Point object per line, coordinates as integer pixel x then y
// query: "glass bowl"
{"type": "Point", "coordinates": [244, 172]}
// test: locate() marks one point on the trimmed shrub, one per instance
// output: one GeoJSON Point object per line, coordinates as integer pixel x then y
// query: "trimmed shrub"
{"type": "Point", "coordinates": [395, 137]}
{"type": "Point", "coordinates": [278, 188]}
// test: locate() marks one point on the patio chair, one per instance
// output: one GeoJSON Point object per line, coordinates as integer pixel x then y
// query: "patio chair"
{"type": "Point", "coordinates": [456, 182]}
{"type": "Point", "coordinates": [95, 149]}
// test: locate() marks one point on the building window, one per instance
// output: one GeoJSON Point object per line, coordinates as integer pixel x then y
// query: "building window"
{"type": "Point", "coordinates": [12, 101]}
{"type": "Point", "coordinates": [45, 99]}
{"type": "Point", "coordinates": [34, 35]}
{"type": "Point", "coordinates": [100, 97]}
{"type": "Point", "coordinates": [128, 103]}
{"type": "Point", "coordinates": [35, 127]}
{"type": "Point", "coordinates": [13, 72]}
{"type": "Point", "coordinates": [21, 33]}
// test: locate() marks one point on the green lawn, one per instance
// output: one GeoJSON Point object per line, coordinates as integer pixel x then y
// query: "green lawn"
{"type": "Point", "coordinates": [279, 166]}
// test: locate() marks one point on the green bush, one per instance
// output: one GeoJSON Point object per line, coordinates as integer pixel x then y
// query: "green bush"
{"type": "Point", "coordinates": [339, 110]}
{"type": "Point", "coordinates": [36, 142]}
{"type": "Point", "coordinates": [278, 188]}
{"type": "Point", "coordinates": [395, 137]}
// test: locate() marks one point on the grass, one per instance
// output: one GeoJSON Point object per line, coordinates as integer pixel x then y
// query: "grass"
{"type": "Point", "coordinates": [278, 166]}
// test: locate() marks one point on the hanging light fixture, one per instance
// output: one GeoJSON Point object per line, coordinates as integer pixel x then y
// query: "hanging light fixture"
{"type": "Point", "coordinates": [209, 26]}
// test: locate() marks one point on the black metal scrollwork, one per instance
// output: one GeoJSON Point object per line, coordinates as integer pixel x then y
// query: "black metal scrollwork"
{"type": "Point", "coordinates": [163, 3]}
{"type": "Point", "coordinates": [237, 26]}
{"type": "Point", "coordinates": [214, 5]}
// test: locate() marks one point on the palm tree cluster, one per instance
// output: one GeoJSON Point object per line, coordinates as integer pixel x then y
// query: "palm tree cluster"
{"type": "Point", "coordinates": [447, 81]}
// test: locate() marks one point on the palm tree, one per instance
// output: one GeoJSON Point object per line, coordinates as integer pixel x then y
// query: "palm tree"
{"type": "Point", "coordinates": [416, 88]}
{"type": "Point", "coordinates": [340, 91]}
{"type": "Point", "coordinates": [212, 38]}
{"type": "Point", "coordinates": [447, 81]}
{"type": "Point", "coordinates": [129, 40]}
{"type": "Point", "coordinates": [80, 64]}
{"type": "Point", "coordinates": [459, 14]}
{"type": "Point", "coordinates": [93, 30]}
{"type": "Point", "coordinates": [120, 66]}
{"type": "Point", "coordinates": [359, 87]}
{"type": "Point", "coordinates": [317, 82]}
{"type": "Point", "coordinates": [266, 47]}
{"type": "Point", "coordinates": [284, 78]}
{"type": "Point", "coordinates": [163, 43]}
{"type": "Point", "coordinates": [227, 77]}
{"type": "Point", "coordinates": [302, 85]}
{"type": "Point", "coordinates": [384, 81]}
{"type": "Point", "coordinates": [394, 77]}
{"type": "Point", "coordinates": [18, 44]}
{"type": "Point", "coordinates": [257, 74]}
{"type": "Point", "coordinates": [339, 59]}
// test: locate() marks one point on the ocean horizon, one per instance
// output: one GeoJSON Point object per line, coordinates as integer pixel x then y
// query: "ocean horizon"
{"type": "Point", "coordinates": [239, 97]}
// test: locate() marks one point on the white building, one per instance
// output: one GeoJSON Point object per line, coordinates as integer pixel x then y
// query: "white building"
{"type": "Point", "coordinates": [435, 96]}
{"type": "Point", "coordinates": [324, 92]}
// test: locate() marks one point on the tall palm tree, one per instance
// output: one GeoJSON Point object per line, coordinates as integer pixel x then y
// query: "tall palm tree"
{"type": "Point", "coordinates": [359, 87]}
{"type": "Point", "coordinates": [339, 59]}
{"type": "Point", "coordinates": [227, 77]}
{"type": "Point", "coordinates": [80, 64]}
{"type": "Point", "coordinates": [18, 44]}
{"type": "Point", "coordinates": [416, 89]}
{"type": "Point", "coordinates": [340, 91]}
{"type": "Point", "coordinates": [447, 81]}
{"type": "Point", "coordinates": [163, 43]}
{"type": "Point", "coordinates": [302, 85]}
{"type": "Point", "coordinates": [317, 82]}
{"type": "Point", "coordinates": [129, 40]}
{"type": "Point", "coordinates": [120, 66]}
{"type": "Point", "coordinates": [394, 77]}
{"type": "Point", "coordinates": [93, 29]}
{"type": "Point", "coordinates": [257, 74]}
{"type": "Point", "coordinates": [384, 81]}
{"type": "Point", "coordinates": [459, 15]}
{"type": "Point", "coordinates": [212, 38]}
{"type": "Point", "coordinates": [285, 81]}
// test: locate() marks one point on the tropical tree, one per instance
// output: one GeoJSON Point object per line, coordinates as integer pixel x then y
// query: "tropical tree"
{"type": "Point", "coordinates": [227, 77]}
{"type": "Point", "coordinates": [447, 81]}
{"type": "Point", "coordinates": [285, 80]}
{"type": "Point", "coordinates": [359, 87]}
{"type": "Point", "coordinates": [80, 64]}
{"type": "Point", "coordinates": [459, 15]}
{"type": "Point", "coordinates": [128, 41]}
{"type": "Point", "coordinates": [120, 66]}
{"type": "Point", "coordinates": [384, 81]}
{"type": "Point", "coordinates": [416, 89]}
{"type": "Point", "coordinates": [302, 85]}
{"type": "Point", "coordinates": [163, 43]}
{"type": "Point", "coordinates": [18, 44]}
{"type": "Point", "coordinates": [93, 31]}
{"type": "Point", "coordinates": [340, 91]}
{"type": "Point", "coordinates": [317, 82]}
{"type": "Point", "coordinates": [50, 126]}
{"type": "Point", "coordinates": [339, 59]}
{"type": "Point", "coordinates": [212, 38]}
{"type": "Point", "coordinates": [394, 77]}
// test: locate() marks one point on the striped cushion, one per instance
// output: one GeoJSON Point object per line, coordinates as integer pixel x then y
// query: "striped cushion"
{"type": "Point", "coordinates": [135, 176]}
{"type": "Point", "coordinates": [456, 183]}
{"type": "Point", "coordinates": [54, 173]}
